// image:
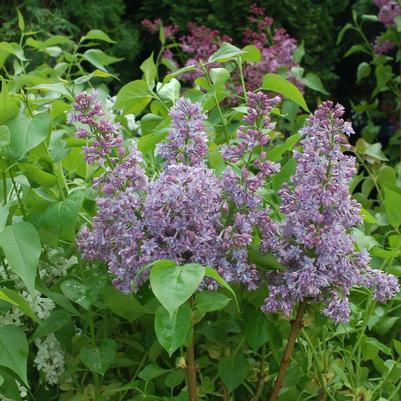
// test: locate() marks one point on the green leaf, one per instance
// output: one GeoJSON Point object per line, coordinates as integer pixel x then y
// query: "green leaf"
{"type": "Point", "coordinates": [299, 53]}
{"type": "Point", "coordinates": [174, 379]}
{"type": "Point", "coordinates": [252, 54]}
{"type": "Point", "coordinates": [314, 82]}
{"type": "Point", "coordinates": [173, 285]}
{"type": "Point", "coordinates": [133, 97]}
{"type": "Point", "coordinates": [152, 371]}
{"type": "Point", "coordinates": [226, 52]}
{"type": "Point", "coordinates": [179, 72]}
{"type": "Point", "coordinates": [256, 329]}
{"type": "Point", "coordinates": [276, 153]}
{"type": "Point", "coordinates": [147, 143]}
{"type": "Point", "coordinates": [94, 74]}
{"type": "Point", "coordinates": [170, 90]}
{"type": "Point", "coordinates": [37, 175]}
{"type": "Point", "coordinates": [27, 133]}
{"type": "Point", "coordinates": [14, 49]}
{"type": "Point", "coordinates": [384, 74]}
{"type": "Point", "coordinates": [61, 219]}
{"type": "Point", "coordinates": [363, 241]}
{"type": "Point", "coordinates": [397, 21]}
{"type": "Point", "coordinates": [20, 302]}
{"type": "Point", "coordinates": [375, 150]}
{"type": "Point", "coordinates": [356, 49]}
{"type": "Point", "coordinates": [99, 58]}
{"type": "Point", "coordinates": [233, 370]}
{"type": "Point", "coordinates": [21, 245]}
{"type": "Point", "coordinates": [219, 76]}
{"type": "Point", "coordinates": [76, 292]}
{"type": "Point", "coordinates": [392, 205]}
{"type": "Point", "coordinates": [125, 306]}
{"type": "Point", "coordinates": [363, 71]}
{"type": "Point", "coordinates": [149, 71]}
{"type": "Point", "coordinates": [97, 34]}
{"type": "Point", "coordinates": [171, 331]}
{"type": "Point", "coordinates": [4, 135]}
{"type": "Point", "coordinates": [370, 347]}
{"type": "Point", "coordinates": [21, 22]}
{"type": "Point", "coordinates": [276, 83]}
{"type": "Point", "coordinates": [4, 212]}
{"type": "Point", "coordinates": [210, 301]}
{"type": "Point", "coordinates": [211, 273]}
{"type": "Point", "coordinates": [341, 34]}
{"type": "Point", "coordinates": [99, 359]}
{"type": "Point", "coordinates": [9, 106]}
{"type": "Point", "coordinates": [14, 350]}
{"type": "Point", "coordinates": [58, 319]}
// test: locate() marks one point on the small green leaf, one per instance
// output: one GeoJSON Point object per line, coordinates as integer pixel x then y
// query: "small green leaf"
{"type": "Point", "coordinates": [363, 71]}
{"type": "Point", "coordinates": [97, 34]}
{"type": "Point", "coordinates": [76, 292]}
{"type": "Point", "coordinates": [252, 54]}
{"type": "Point", "coordinates": [173, 285]}
{"type": "Point", "coordinates": [299, 53]}
{"type": "Point", "coordinates": [99, 59]}
{"type": "Point", "coordinates": [14, 350]}
{"type": "Point", "coordinates": [13, 297]}
{"type": "Point", "coordinates": [99, 359]}
{"type": "Point", "coordinates": [356, 49]}
{"type": "Point", "coordinates": [58, 319]}
{"type": "Point", "coordinates": [9, 106]}
{"type": "Point", "coordinates": [219, 76]}
{"type": "Point", "coordinates": [172, 331]}
{"type": "Point", "coordinates": [226, 52]}
{"type": "Point", "coordinates": [314, 82]}
{"type": "Point", "coordinates": [123, 305]}
{"type": "Point", "coordinates": [233, 370]}
{"type": "Point", "coordinates": [149, 71]}
{"type": "Point", "coordinates": [22, 248]}
{"type": "Point", "coordinates": [170, 90]}
{"type": "Point", "coordinates": [37, 175]}
{"type": "Point", "coordinates": [152, 371]}
{"type": "Point", "coordinates": [276, 83]}
{"type": "Point", "coordinates": [257, 329]}
{"type": "Point", "coordinates": [21, 22]}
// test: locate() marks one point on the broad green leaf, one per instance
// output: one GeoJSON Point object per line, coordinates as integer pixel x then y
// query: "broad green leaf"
{"type": "Point", "coordinates": [99, 59]}
{"type": "Point", "coordinates": [219, 76]}
{"type": "Point", "coordinates": [392, 205]}
{"type": "Point", "coordinates": [276, 83]}
{"type": "Point", "coordinates": [226, 52]}
{"type": "Point", "coordinates": [363, 241]}
{"type": "Point", "coordinates": [133, 97]}
{"type": "Point", "coordinates": [170, 90]}
{"type": "Point", "coordinates": [21, 245]}
{"type": "Point", "coordinates": [97, 34]}
{"type": "Point", "coordinates": [314, 82]}
{"type": "Point", "coordinates": [179, 72]}
{"type": "Point", "coordinates": [14, 350]}
{"type": "Point", "coordinates": [149, 71]}
{"type": "Point", "coordinates": [252, 54]}
{"type": "Point", "coordinates": [27, 133]}
{"type": "Point", "coordinates": [37, 175]}
{"type": "Point", "coordinates": [172, 331]}
{"type": "Point", "coordinates": [14, 49]}
{"type": "Point", "coordinates": [9, 106]}
{"type": "Point", "coordinates": [276, 153]}
{"type": "Point", "coordinates": [147, 143]}
{"type": "Point", "coordinates": [233, 370]}
{"type": "Point", "coordinates": [384, 74]}
{"type": "Point", "coordinates": [210, 301]}
{"type": "Point", "coordinates": [386, 176]}
{"type": "Point", "coordinates": [257, 329]}
{"type": "Point", "coordinates": [211, 273]}
{"type": "Point", "coordinates": [265, 261]}
{"type": "Point", "coordinates": [173, 285]}
{"type": "Point", "coordinates": [76, 292]}
{"type": "Point", "coordinates": [175, 378]}
{"type": "Point", "coordinates": [61, 218]}
{"type": "Point", "coordinates": [370, 347]}
{"type": "Point", "coordinates": [58, 318]}
{"type": "Point", "coordinates": [99, 359]}
{"type": "Point", "coordinates": [13, 297]}
{"type": "Point", "coordinates": [123, 305]}
{"type": "Point", "coordinates": [152, 371]}
{"type": "Point", "coordinates": [286, 171]}
{"type": "Point", "coordinates": [374, 150]}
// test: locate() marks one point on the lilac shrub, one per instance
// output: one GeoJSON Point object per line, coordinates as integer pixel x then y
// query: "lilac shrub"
{"type": "Point", "coordinates": [313, 239]}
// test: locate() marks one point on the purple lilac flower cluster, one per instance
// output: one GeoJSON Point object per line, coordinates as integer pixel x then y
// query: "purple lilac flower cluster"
{"type": "Point", "coordinates": [389, 10]}
{"type": "Point", "coordinates": [313, 240]}
{"type": "Point", "coordinates": [187, 214]}
{"type": "Point", "coordinates": [104, 141]}
{"type": "Point", "coordinates": [277, 47]}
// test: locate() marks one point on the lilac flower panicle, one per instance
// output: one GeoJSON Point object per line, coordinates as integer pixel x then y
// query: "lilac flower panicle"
{"type": "Point", "coordinates": [389, 10]}
{"type": "Point", "coordinates": [314, 240]}
{"type": "Point", "coordinates": [104, 141]}
{"type": "Point", "coordinates": [187, 140]}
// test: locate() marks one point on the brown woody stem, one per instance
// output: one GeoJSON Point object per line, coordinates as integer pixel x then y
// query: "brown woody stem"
{"type": "Point", "coordinates": [191, 372]}
{"type": "Point", "coordinates": [296, 326]}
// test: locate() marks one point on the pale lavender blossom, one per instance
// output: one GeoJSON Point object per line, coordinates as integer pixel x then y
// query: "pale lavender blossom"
{"type": "Point", "coordinates": [314, 240]}
{"type": "Point", "coordinates": [389, 9]}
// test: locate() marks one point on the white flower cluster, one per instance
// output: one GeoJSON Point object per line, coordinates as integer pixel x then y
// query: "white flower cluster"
{"type": "Point", "coordinates": [50, 358]}
{"type": "Point", "coordinates": [23, 392]}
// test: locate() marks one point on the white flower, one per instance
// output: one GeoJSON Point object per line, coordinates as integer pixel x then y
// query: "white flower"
{"type": "Point", "coordinates": [13, 316]}
{"type": "Point", "coordinates": [57, 265]}
{"type": "Point", "coordinates": [50, 358]}
{"type": "Point", "coordinates": [41, 306]}
{"type": "Point", "coordinates": [131, 122]}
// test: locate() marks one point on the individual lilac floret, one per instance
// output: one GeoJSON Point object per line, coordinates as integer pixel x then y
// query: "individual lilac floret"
{"type": "Point", "coordinates": [314, 240]}
{"type": "Point", "coordinates": [104, 140]}
{"type": "Point", "coordinates": [187, 140]}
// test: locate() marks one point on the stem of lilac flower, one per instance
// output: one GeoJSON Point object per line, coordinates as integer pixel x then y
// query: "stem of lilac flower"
{"type": "Point", "coordinates": [241, 73]}
{"type": "Point", "coordinates": [296, 327]}
{"type": "Point", "coordinates": [191, 372]}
